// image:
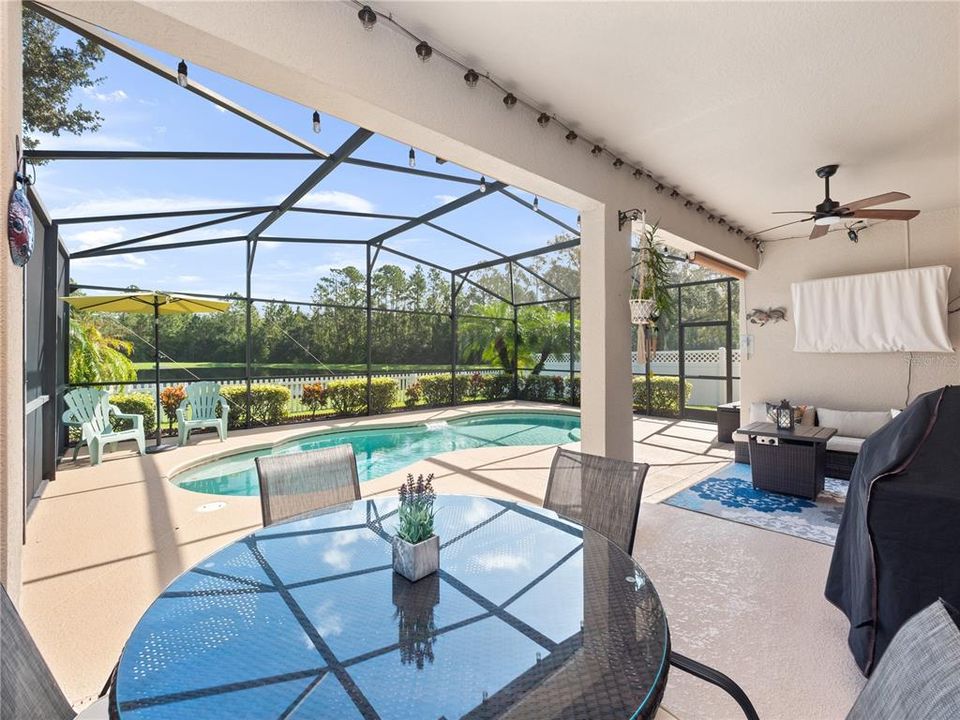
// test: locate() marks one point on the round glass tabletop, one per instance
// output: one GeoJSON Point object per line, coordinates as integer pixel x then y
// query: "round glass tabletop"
{"type": "Point", "coordinates": [530, 616]}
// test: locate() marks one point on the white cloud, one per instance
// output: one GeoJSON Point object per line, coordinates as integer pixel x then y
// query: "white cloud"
{"type": "Point", "coordinates": [117, 204]}
{"type": "Point", "coordinates": [189, 279]}
{"type": "Point", "coordinates": [127, 262]}
{"type": "Point", "coordinates": [106, 97]}
{"type": "Point", "coordinates": [220, 109]}
{"type": "Point", "coordinates": [334, 200]}
{"type": "Point", "coordinates": [444, 199]}
{"type": "Point", "coordinates": [87, 239]}
{"type": "Point", "coordinates": [88, 141]}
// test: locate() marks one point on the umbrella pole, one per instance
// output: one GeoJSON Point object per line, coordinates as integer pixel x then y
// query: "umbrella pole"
{"type": "Point", "coordinates": [159, 447]}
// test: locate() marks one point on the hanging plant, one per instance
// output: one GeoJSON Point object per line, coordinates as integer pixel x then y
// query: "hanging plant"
{"type": "Point", "coordinates": [650, 297]}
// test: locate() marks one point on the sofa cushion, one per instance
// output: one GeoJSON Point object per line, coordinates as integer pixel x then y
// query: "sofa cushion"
{"type": "Point", "coordinates": [853, 423]}
{"type": "Point", "coordinates": [841, 443]}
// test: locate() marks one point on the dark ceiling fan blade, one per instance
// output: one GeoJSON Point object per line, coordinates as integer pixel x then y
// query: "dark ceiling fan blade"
{"type": "Point", "coordinates": [875, 200]}
{"type": "Point", "coordinates": [819, 231]}
{"type": "Point", "coordinates": [776, 227]}
{"type": "Point", "coordinates": [794, 212]}
{"type": "Point", "coordinates": [886, 214]}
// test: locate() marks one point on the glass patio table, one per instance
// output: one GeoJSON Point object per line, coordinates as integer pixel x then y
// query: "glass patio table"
{"type": "Point", "coordinates": [530, 616]}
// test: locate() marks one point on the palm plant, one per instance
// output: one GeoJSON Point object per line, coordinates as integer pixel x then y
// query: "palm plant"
{"type": "Point", "coordinates": [95, 357]}
{"type": "Point", "coordinates": [651, 272]}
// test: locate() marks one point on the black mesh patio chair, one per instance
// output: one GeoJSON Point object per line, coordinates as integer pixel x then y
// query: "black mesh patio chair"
{"type": "Point", "coordinates": [598, 492]}
{"type": "Point", "coordinates": [919, 673]}
{"type": "Point", "coordinates": [299, 483]}
{"type": "Point", "coordinates": [604, 495]}
{"type": "Point", "coordinates": [28, 690]}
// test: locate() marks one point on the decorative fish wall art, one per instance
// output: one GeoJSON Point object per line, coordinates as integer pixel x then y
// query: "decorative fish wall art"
{"type": "Point", "coordinates": [759, 316]}
{"type": "Point", "coordinates": [20, 216]}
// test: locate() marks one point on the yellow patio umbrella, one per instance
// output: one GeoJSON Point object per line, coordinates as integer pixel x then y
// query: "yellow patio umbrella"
{"type": "Point", "coordinates": [157, 304]}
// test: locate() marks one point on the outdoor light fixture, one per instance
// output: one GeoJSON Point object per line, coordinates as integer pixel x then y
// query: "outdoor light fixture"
{"type": "Point", "coordinates": [471, 78]}
{"type": "Point", "coordinates": [659, 187]}
{"type": "Point", "coordinates": [618, 163]}
{"type": "Point", "coordinates": [509, 100]}
{"type": "Point", "coordinates": [687, 203]}
{"type": "Point", "coordinates": [368, 18]}
{"type": "Point", "coordinates": [674, 193]}
{"type": "Point", "coordinates": [625, 216]}
{"type": "Point", "coordinates": [316, 121]}
{"type": "Point", "coordinates": [413, 158]}
{"type": "Point", "coordinates": [596, 151]}
{"type": "Point", "coordinates": [483, 184]}
{"type": "Point", "coordinates": [578, 223]}
{"type": "Point", "coordinates": [543, 120]}
{"type": "Point", "coordinates": [711, 217]}
{"type": "Point", "coordinates": [571, 137]}
{"type": "Point", "coordinates": [182, 74]}
{"type": "Point", "coordinates": [638, 174]}
{"type": "Point", "coordinates": [827, 220]}
{"type": "Point", "coordinates": [784, 416]}
{"type": "Point", "coordinates": [722, 222]}
{"type": "Point", "coordinates": [424, 51]}
{"type": "Point", "coordinates": [699, 209]}
{"type": "Point", "coordinates": [536, 204]}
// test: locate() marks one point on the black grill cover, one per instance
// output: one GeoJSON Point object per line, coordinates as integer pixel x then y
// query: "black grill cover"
{"type": "Point", "coordinates": [898, 545]}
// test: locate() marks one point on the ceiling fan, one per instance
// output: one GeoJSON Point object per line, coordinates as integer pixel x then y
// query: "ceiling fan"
{"type": "Point", "coordinates": [830, 212]}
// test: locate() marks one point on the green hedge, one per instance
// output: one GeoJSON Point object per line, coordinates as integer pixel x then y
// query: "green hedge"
{"type": "Point", "coordinates": [349, 397]}
{"type": "Point", "coordinates": [268, 404]}
{"type": "Point", "coordinates": [664, 395]}
{"type": "Point", "coordinates": [139, 404]}
{"type": "Point", "coordinates": [438, 389]}
{"type": "Point", "coordinates": [497, 387]}
{"type": "Point", "coordinates": [573, 391]}
{"type": "Point", "coordinates": [543, 388]}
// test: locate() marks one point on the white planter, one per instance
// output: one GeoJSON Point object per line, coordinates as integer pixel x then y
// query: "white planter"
{"type": "Point", "coordinates": [416, 561]}
{"type": "Point", "coordinates": [641, 310]}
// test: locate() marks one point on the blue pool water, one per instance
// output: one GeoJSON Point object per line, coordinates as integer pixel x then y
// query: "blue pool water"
{"type": "Point", "coordinates": [382, 450]}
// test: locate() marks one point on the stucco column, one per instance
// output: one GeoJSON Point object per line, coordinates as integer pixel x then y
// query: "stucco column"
{"type": "Point", "coordinates": [606, 393]}
{"type": "Point", "coordinates": [11, 312]}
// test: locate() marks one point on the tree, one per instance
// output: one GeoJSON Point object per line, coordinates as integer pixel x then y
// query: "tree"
{"type": "Point", "coordinates": [50, 74]}
{"type": "Point", "coordinates": [95, 357]}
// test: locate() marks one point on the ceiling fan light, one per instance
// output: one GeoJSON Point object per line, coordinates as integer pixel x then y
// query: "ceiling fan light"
{"type": "Point", "coordinates": [827, 220]}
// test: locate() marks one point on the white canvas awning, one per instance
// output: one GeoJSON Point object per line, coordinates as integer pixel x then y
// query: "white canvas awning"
{"type": "Point", "coordinates": [897, 311]}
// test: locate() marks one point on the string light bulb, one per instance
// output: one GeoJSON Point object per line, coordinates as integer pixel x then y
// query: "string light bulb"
{"type": "Point", "coordinates": [471, 78]}
{"type": "Point", "coordinates": [674, 193]}
{"type": "Point", "coordinates": [618, 163]}
{"type": "Point", "coordinates": [596, 151]}
{"type": "Point", "coordinates": [543, 120]}
{"type": "Point", "coordinates": [571, 137]}
{"type": "Point", "coordinates": [424, 51]}
{"type": "Point", "coordinates": [638, 174]}
{"type": "Point", "coordinates": [368, 18]}
{"type": "Point", "coordinates": [578, 223]}
{"type": "Point", "coordinates": [536, 204]}
{"type": "Point", "coordinates": [413, 158]}
{"type": "Point", "coordinates": [316, 121]}
{"type": "Point", "coordinates": [509, 100]}
{"type": "Point", "coordinates": [182, 80]}
{"type": "Point", "coordinates": [659, 187]}
{"type": "Point", "coordinates": [483, 184]}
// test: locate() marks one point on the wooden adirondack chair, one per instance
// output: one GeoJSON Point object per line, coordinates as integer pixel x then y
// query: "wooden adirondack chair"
{"type": "Point", "coordinates": [90, 410]}
{"type": "Point", "coordinates": [202, 399]}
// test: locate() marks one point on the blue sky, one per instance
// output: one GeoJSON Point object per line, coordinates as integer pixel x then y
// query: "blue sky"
{"type": "Point", "coordinates": [144, 112]}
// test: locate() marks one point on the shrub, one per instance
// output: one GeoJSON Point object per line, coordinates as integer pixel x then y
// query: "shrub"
{"type": "Point", "coordinates": [170, 399]}
{"type": "Point", "coordinates": [139, 404]}
{"type": "Point", "coordinates": [413, 395]}
{"type": "Point", "coordinates": [664, 394]}
{"type": "Point", "coordinates": [349, 397]}
{"type": "Point", "coordinates": [475, 385]}
{"type": "Point", "coordinates": [268, 404]}
{"type": "Point", "coordinates": [538, 388]}
{"type": "Point", "coordinates": [383, 393]}
{"type": "Point", "coordinates": [573, 391]}
{"type": "Point", "coordinates": [558, 388]}
{"type": "Point", "coordinates": [440, 389]}
{"type": "Point", "coordinates": [314, 397]}
{"type": "Point", "coordinates": [497, 387]}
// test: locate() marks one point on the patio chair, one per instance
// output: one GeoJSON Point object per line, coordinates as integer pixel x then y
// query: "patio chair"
{"type": "Point", "coordinates": [917, 676]}
{"type": "Point", "coordinates": [604, 495]}
{"type": "Point", "coordinates": [202, 399]}
{"type": "Point", "coordinates": [90, 410]}
{"type": "Point", "coordinates": [295, 484]}
{"type": "Point", "coordinates": [28, 690]}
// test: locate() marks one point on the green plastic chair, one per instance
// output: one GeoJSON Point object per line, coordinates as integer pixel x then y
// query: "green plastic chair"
{"type": "Point", "coordinates": [202, 399]}
{"type": "Point", "coordinates": [91, 411]}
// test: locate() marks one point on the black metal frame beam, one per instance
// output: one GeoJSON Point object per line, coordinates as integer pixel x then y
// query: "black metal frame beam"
{"type": "Point", "coordinates": [548, 216]}
{"type": "Point", "coordinates": [105, 251]}
{"type": "Point", "coordinates": [164, 214]}
{"type": "Point", "coordinates": [566, 245]}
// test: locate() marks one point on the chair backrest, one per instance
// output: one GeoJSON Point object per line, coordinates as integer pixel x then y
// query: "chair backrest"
{"type": "Point", "coordinates": [203, 398]}
{"type": "Point", "coordinates": [598, 492]}
{"type": "Point", "coordinates": [919, 673]}
{"type": "Point", "coordinates": [28, 690]}
{"type": "Point", "coordinates": [296, 483]}
{"type": "Point", "coordinates": [90, 405]}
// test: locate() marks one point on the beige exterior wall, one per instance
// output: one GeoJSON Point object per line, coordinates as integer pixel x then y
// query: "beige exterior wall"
{"type": "Point", "coordinates": [848, 381]}
{"type": "Point", "coordinates": [11, 314]}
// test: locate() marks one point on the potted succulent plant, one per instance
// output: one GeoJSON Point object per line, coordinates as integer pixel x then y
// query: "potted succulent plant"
{"type": "Point", "coordinates": [416, 549]}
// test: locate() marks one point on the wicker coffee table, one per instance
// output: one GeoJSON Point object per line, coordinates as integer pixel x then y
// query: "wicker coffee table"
{"type": "Point", "coordinates": [792, 462]}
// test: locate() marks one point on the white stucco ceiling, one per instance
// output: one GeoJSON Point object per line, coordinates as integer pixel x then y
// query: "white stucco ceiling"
{"type": "Point", "coordinates": [735, 103]}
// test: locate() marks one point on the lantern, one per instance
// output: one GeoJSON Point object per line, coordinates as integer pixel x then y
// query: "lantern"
{"type": "Point", "coordinates": [784, 416]}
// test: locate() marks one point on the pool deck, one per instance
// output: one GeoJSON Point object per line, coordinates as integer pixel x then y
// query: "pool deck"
{"type": "Point", "coordinates": [103, 542]}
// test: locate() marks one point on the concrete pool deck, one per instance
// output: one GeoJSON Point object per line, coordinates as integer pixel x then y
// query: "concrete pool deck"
{"type": "Point", "coordinates": [103, 542]}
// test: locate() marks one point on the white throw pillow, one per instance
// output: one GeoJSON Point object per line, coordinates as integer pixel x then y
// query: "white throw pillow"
{"type": "Point", "coordinates": [852, 423]}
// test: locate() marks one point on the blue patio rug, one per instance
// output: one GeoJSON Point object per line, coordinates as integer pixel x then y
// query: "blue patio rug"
{"type": "Point", "coordinates": [729, 494]}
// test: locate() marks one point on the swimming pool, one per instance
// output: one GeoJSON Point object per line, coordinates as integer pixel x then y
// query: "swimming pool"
{"type": "Point", "coordinates": [381, 450]}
